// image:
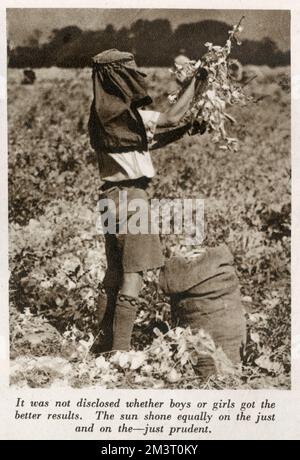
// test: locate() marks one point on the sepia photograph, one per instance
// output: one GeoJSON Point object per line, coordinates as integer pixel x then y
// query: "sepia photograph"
{"type": "Point", "coordinates": [149, 198]}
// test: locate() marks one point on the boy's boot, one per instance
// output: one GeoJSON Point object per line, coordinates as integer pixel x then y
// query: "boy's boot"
{"type": "Point", "coordinates": [125, 315]}
{"type": "Point", "coordinates": [106, 309]}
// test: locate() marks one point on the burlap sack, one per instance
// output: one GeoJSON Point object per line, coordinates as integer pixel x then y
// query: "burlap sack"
{"type": "Point", "coordinates": [205, 294]}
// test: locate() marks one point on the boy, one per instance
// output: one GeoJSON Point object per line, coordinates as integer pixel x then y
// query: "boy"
{"type": "Point", "coordinates": [121, 134]}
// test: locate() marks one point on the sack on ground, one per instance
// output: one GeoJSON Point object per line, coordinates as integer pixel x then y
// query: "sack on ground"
{"type": "Point", "coordinates": [205, 294]}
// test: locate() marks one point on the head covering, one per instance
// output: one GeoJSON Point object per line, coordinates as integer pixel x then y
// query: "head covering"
{"type": "Point", "coordinates": [112, 55]}
{"type": "Point", "coordinates": [119, 90]}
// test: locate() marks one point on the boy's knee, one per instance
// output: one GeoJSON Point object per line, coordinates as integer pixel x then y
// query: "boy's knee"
{"type": "Point", "coordinates": [132, 284]}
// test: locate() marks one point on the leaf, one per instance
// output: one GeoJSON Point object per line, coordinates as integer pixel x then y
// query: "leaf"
{"type": "Point", "coordinates": [138, 360]}
{"type": "Point", "coordinates": [159, 384]}
{"type": "Point", "coordinates": [255, 337]}
{"type": "Point", "coordinates": [147, 369]}
{"type": "Point", "coordinates": [102, 364]}
{"type": "Point", "coordinates": [247, 299]}
{"type": "Point", "coordinates": [264, 362]}
{"type": "Point", "coordinates": [184, 358]}
{"type": "Point", "coordinates": [174, 376]}
{"type": "Point", "coordinates": [194, 357]}
{"type": "Point", "coordinates": [115, 358]}
{"type": "Point", "coordinates": [123, 360]}
{"type": "Point", "coordinates": [157, 332]}
{"type": "Point", "coordinates": [85, 345]}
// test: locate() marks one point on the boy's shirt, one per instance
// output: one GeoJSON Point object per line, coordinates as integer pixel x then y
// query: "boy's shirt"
{"type": "Point", "coordinates": [116, 167]}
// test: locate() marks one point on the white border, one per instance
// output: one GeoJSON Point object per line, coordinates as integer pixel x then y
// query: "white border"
{"type": "Point", "coordinates": [288, 425]}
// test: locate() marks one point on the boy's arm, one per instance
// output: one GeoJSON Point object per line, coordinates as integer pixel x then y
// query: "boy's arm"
{"type": "Point", "coordinates": [163, 138]}
{"type": "Point", "coordinates": [176, 112]}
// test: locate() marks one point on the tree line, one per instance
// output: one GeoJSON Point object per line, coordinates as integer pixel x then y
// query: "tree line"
{"type": "Point", "coordinates": [154, 43]}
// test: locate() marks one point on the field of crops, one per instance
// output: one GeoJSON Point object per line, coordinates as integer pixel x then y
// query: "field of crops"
{"type": "Point", "coordinates": [57, 259]}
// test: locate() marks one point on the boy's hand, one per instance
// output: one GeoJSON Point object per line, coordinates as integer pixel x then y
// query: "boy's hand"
{"type": "Point", "coordinates": [198, 128]}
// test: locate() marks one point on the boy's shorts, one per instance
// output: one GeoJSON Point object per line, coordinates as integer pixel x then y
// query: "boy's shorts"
{"type": "Point", "coordinates": [129, 253]}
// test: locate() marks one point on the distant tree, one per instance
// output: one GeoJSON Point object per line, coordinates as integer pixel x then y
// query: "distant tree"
{"type": "Point", "coordinates": [124, 40]}
{"type": "Point", "coordinates": [60, 37]}
{"type": "Point", "coordinates": [269, 45]}
{"type": "Point", "coordinates": [58, 40]}
{"type": "Point", "coordinates": [109, 37]}
{"type": "Point", "coordinates": [192, 37]}
{"type": "Point", "coordinates": [266, 49]}
{"type": "Point", "coordinates": [264, 52]}
{"type": "Point", "coordinates": [34, 39]}
{"type": "Point", "coordinates": [25, 56]}
{"type": "Point", "coordinates": [154, 43]}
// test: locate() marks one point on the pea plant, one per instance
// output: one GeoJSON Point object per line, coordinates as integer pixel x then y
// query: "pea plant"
{"type": "Point", "coordinates": [219, 91]}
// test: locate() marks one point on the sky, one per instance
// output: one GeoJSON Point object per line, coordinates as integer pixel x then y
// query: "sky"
{"type": "Point", "coordinates": [258, 23]}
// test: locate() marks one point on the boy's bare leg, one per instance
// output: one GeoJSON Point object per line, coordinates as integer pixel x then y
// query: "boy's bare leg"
{"type": "Point", "coordinates": [126, 310]}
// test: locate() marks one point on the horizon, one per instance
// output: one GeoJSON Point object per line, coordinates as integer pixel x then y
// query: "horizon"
{"type": "Point", "coordinates": [258, 24]}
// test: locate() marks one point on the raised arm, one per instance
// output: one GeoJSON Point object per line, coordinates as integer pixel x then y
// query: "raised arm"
{"type": "Point", "coordinates": [177, 111]}
{"type": "Point", "coordinates": [172, 117]}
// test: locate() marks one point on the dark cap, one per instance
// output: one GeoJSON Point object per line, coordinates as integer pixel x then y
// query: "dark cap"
{"type": "Point", "coordinates": [113, 55]}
